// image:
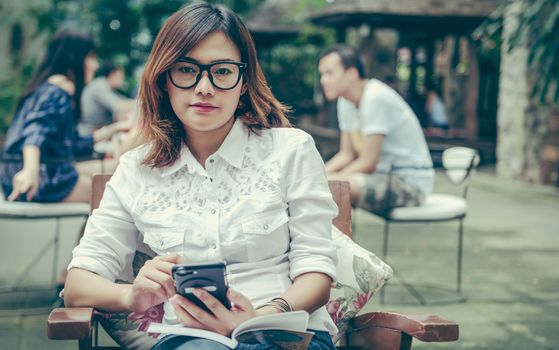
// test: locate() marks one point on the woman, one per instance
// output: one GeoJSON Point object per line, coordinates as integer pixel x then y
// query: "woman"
{"type": "Point", "coordinates": [220, 177]}
{"type": "Point", "coordinates": [42, 142]}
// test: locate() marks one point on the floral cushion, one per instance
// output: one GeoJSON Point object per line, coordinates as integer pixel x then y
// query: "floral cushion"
{"type": "Point", "coordinates": [360, 274]}
{"type": "Point", "coordinates": [128, 329]}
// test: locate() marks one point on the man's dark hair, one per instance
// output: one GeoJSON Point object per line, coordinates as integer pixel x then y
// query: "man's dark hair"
{"type": "Point", "coordinates": [107, 68]}
{"type": "Point", "coordinates": [349, 57]}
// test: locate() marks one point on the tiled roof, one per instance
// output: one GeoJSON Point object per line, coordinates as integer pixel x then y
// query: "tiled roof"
{"type": "Point", "coordinates": [423, 8]}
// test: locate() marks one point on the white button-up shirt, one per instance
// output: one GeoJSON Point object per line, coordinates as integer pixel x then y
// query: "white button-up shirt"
{"type": "Point", "coordinates": [261, 204]}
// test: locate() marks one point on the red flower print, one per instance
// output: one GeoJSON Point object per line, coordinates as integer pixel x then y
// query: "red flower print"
{"type": "Point", "coordinates": [333, 306]}
{"type": "Point", "coordinates": [362, 299]}
{"type": "Point", "coordinates": [153, 314]}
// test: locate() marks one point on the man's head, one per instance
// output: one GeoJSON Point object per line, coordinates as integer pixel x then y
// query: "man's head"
{"type": "Point", "coordinates": [340, 67]}
{"type": "Point", "coordinates": [113, 73]}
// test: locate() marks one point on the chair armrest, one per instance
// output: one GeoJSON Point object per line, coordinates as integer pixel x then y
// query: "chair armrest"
{"type": "Point", "coordinates": [427, 328]}
{"type": "Point", "coordinates": [70, 323]}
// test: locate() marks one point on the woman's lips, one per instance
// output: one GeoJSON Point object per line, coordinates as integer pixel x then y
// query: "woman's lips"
{"type": "Point", "coordinates": [203, 107]}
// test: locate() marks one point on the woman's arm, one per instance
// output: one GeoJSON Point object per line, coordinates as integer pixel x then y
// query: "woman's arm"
{"type": "Point", "coordinates": [312, 253]}
{"type": "Point", "coordinates": [152, 286]}
{"type": "Point", "coordinates": [309, 292]}
{"type": "Point", "coordinates": [27, 179]}
{"type": "Point", "coordinates": [85, 288]}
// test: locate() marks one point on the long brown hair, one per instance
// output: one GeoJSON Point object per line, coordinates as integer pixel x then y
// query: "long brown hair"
{"type": "Point", "coordinates": [66, 54]}
{"type": "Point", "coordinates": [160, 126]}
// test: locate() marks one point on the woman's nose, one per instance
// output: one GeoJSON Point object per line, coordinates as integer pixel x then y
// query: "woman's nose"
{"type": "Point", "coordinates": [204, 86]}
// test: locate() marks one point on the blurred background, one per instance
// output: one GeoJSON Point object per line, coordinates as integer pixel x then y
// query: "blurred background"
{"type": "Point", "coordinates": [494, 63]}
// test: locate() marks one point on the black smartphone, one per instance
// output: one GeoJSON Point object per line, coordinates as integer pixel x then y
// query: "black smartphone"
{"type": "Point", "coordinates": [210, 277]}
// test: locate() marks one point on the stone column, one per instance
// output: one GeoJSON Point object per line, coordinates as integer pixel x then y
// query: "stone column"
{"type": "Point", "coordinates": [521, 119]}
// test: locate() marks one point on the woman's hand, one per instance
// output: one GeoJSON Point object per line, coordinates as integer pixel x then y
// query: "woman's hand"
{"type": "Point", "coordinates": [25, 181]}
{"type": "Point", "coordinates": [153, 284]}
{"type": "Point", "coordinates": [106, 132]}
{"type": "Point", "coordinates": [222, 321]}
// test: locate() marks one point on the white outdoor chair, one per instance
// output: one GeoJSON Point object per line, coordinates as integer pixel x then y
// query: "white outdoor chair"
{"type": "Point", "coordinates": [459, 163]}
{"type": "Point", "coordinates": [35, 211]}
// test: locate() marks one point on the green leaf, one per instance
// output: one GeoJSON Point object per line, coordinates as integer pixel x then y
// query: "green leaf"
{"type": "Point", "coordinates": [363, 275]}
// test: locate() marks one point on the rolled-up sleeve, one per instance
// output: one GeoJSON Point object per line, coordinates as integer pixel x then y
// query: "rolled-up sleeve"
{"type": "Point", "coordinates": [41, 122]}
{"type": "Point", "coordinates": [110, 237]}
{"type": "Point", "coordinates": [311, 210]}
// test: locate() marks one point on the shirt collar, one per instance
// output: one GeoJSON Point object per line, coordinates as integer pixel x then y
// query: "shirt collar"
{"type": "Point", "coordinates": [231, 150]}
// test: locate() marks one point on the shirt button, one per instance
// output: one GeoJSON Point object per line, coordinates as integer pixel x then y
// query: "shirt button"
{"type": "Point", "coordinates": [266, 226]}
{"type": "Point", "coordinates": [161, 243]}
{"type": "Point", "coordinates": [212, 244]}
{"type": "Point", "coordinates": [212, 160]}
{"type": "Point", "coordinates": [212, 211]}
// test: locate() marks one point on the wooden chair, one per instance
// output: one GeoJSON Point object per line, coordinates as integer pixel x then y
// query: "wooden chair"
{"type": "Point", "coordinates": [375, 330]}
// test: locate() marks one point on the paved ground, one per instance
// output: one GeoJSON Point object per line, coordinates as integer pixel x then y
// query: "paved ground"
{"type": "Point", "coordinates": [511, 275]}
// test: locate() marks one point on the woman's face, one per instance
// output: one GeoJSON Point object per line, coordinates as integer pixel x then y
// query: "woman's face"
{"type": "Point", "coordinates": [90, 66]}
{"type": "Point", "coordinates": [204, 107]}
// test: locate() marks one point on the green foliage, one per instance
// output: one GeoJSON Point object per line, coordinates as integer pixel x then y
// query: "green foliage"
{"type": "Point", "coordinates": [538, 25]}
{"type": "Point", "coordinates": [290, 68]}
{"type": "Point", "coordinates": [538, 28]}
{"type": "Point", "coordinates": [125, 30]}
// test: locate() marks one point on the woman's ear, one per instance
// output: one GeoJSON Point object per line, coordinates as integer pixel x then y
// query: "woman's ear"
{"type": "Point", "coordinates": [244, 89]}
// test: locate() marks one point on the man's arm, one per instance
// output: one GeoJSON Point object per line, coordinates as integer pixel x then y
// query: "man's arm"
{"type": "Point", "coordinates": [345, 155]}
{"type": "Point", "coordinates": [370, 154]}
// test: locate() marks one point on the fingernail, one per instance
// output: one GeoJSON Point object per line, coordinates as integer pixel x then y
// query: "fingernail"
{"type": "Point", "coordinates": [197, 292]}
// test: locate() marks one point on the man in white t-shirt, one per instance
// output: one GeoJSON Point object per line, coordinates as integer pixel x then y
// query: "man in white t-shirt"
{"type": "Point", "coordinates": [383, 153]}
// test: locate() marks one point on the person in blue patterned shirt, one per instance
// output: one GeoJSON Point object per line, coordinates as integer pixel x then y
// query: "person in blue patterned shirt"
{"type": "Point", "coordinates": [42, 142]}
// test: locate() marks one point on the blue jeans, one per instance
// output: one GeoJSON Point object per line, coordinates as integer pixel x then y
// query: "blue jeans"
{"type": "Point", "coordinates": [320, 341]}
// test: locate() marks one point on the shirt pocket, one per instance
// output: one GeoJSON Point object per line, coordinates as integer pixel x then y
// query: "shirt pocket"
{"type": "Point", "coordinates": [165, 241]}
{"type": "Point", "coordinates": [266, 233]}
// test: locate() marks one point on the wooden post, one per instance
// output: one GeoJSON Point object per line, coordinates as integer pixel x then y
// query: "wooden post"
{"type": "Point", "coordinates": [471, 122]}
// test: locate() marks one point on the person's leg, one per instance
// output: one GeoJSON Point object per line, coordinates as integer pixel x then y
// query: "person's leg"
{"type": "Point", "coordinates": [82, 189]}
{"type": "Point", "coordinates": [90, 167]}
{"type": "Point", "coordinates": [320, 341]}
{"type": "Point", "coordinates": [188, 343]}
{"type": "Point", "coordinates": [382, 192]}
{"type": "Point", "coordinates": [355, 185]}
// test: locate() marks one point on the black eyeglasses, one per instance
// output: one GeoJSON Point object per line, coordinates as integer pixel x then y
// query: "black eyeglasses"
{"type": "Point", "coordinates": [223, 75]}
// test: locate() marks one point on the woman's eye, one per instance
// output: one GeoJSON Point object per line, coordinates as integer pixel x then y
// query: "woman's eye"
{"type": "Point", "coordinates": [222, 71]}
{"type": "Point", "coordinates": [186, 69]}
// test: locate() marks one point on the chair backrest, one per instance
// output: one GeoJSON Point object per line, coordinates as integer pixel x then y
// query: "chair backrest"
{"type": "Point", "coordinates": [459, 162]}
{"type": "Point", "coordinates": [339, 189]}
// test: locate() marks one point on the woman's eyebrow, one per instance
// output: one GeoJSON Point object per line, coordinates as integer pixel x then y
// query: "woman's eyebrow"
{"type": "Point", "coordinates": [190, 59]}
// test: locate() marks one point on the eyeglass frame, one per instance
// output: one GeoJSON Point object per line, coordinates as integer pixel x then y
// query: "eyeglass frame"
{"type": "Point", "coordinates": [206, 67]}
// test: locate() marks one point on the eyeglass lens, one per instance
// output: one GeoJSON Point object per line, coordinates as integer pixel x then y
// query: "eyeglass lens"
{"type": "Point", "coordinates": [223, 75]}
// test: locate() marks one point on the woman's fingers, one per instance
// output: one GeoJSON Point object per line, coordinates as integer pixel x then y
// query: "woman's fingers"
{"type": "Point", "coordinates": [240, 301]}
{"type": "Point", "coordinates": [162, 278]}
{"type": "Point", "coordinates": [184, 310]}
{"type": "Point", "coordinates": [214, 305]}
{"type": "Point", "coordinates": [23, 182]}
{"type": "Point", "coordinates": [31, 193]}
{"type": "Point", "coordinates": [15, 193]}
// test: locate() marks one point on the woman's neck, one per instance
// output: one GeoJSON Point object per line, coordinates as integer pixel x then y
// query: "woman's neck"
{"type": "Point", "coordinates": [203, 144]}
{"type": "Point", "coordinates": [62, 82]}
